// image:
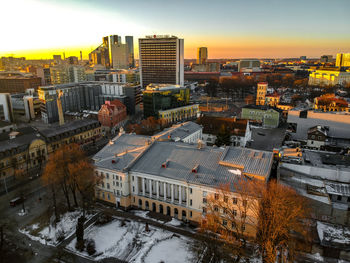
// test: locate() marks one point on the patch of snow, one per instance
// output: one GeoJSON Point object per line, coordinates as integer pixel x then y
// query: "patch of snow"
{"type": "Point", "coordinates": [236, 172]}
{"type": "Point", "coordinates": [333, 233]}
{"type": "Point", "coordinates": [50, 234]}
{"type": "Point", "coordinates": [174, 250]}
{"type": "Point", "coordinates": [130, 242]}
{"type": "Point", "coordinates": [22, 212]}
{"type": "Point", "coordinates": [174, 222]}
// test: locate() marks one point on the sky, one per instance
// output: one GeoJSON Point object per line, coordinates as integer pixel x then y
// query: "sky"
{"type": "Point", "coordinates": [229, 28]}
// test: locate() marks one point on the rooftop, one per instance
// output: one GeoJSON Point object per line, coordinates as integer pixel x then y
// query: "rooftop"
{"type": "Point", "coordinates": [178, 132]}
{"type": "Point", "coordinates": [212, 125]}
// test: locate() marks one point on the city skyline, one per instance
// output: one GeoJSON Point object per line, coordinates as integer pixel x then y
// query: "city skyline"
{"type": "Point", "coordinates": [230, 29]}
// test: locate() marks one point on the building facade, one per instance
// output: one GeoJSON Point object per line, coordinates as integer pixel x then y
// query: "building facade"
{"type": "Point", "coordinates": [343, 60]}
{"type": "Point", "coordinates": [174, 115]}
{"type": "Point", "coordinates": [268, 117]}
{"type": "Point", "coordinates": [172, 178]}
{"type": "Point", "coordinates": [161, 60]}
{"type": "Point", "coordinates": [120, 52]}
{"type": "Point", "coordinates": [329, 102]}
{"type": "Point", "coordinates": [261, 93]}
{"type": "Point", "coordinates": [329, 77]}
{"type": "Point", "coordinates": [158, 97]}
{"type": "Point", "coordinates": [18, 82]}
{"type": "Point", "coordinates": [202, 55]}
{"type": "Point", "coordinates": [112, 114]}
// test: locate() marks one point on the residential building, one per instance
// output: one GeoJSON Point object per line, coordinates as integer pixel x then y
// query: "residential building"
{"type": "Point", "coordinates": [202, 55]}
{"type": "Point", "coordinates": [268, 117]}
{"type": "Point", "coordinates": [206, 67]}
{"type": "Point", "coordinates": [316, 137]}
{"type": "Point", "coordinates": [25, 105]}
{"type": "Point", "coordinates": [23, 149]}
{"type": "Point", "coordinates": [285, 107]}
{"type": "Point", "coordinates": [112, 114]}
{"type": "Point", "coordinates": [120, 76]}
{"type": "Point", "coordinates": [330, 102]}
{"type": "Point", "coordinates": [239, 130]}
{"type": "Point", "coordinates": [261, 93]}
{"type": "Point", "coordinates": [173, 178]}
{"type": "Point", "coordinates": [326, 58]}
{"type": "Point", "coordinates": [17, 82]}
{"type": "Point", "coordinates": [323, 178]}
{"type": "Point", "coordinates": [161, 60]}
{"type": "Point", "coordinates": [158, 97]}
{"type": "Point", "coordinates": [6, 110]}
{"type": "Point", "coordinates": [252, 65]}
{"type": "Point", "coordinates": [329, 77]}
{"type": "Point", "coordinates": [301, 120]}
{"type": "Point", "coordinates": [120, 52]}
{"type": "Point", "coordinates": [343, 60]}
{"type": "Point", "coordinates": [188, 132]}
{"type": "Point", "coordinates": [272, 100]}
{"type": "Point", "coordinates": [62, 74]}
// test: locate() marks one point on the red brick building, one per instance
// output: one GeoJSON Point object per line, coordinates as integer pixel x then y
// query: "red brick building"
{"type": "Point", "coordinates": [112, 113]}
{"type": "Point", "coordinates": [18, 82]}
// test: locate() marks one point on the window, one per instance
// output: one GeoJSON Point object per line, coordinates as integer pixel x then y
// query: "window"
{"type": "Point", "coordinates": [107, 175]}
{"type": "Point", "coordinates": [133, 188]}
{"type": "Point", "coordinates": [204, 193]}
{"type": "Point", "coordinates": [243, 227]}
{"type": "Point", "coordinates": [132, 178]}
{"type": "Point", "coordinates": [109, 198]}
{"type": "Point", "coordinates": [117, 183]}
{"type": "Point", "coordinates": [243, 214]}
{"type": "Point", "coordinates": [216, 209]}
{"type": "Point", "coordinates": [224, 222]}
{"type": "Point", "coordinates": [339, 197]}
{"type": "Point", "coordinates": [204, 200]}
{"type": "Point", "coordinates": [244, 203]}
{"type": "Point", "coordinates": [225, 210]}
{"type": "Point", "coordinates": [233, 225]}
{"type": "Point", "coordinates": [107, 185]}
{"type": "Point", "coordinates": [216, 196]}
{"type": "Point", "coordinates": [190, 190]}
{"type": "Point", "coordinates": [102, 184]}
{"type": "Point", "coordinates": [225, 199]}
{"type": "Point", "coordinates": [190, 213]}
{"type": "Point", "coordinates": [234, 200]}
{"type": "Point", "coordinates": [234, 212]}
{"type": "Point", "coordinates": [204, 210]}
{"type": "Point", "coordinates": [190, 202]}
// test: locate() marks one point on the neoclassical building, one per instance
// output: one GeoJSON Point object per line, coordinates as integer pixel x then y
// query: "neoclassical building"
{"type": "Point", "coordinates": [172, 178]}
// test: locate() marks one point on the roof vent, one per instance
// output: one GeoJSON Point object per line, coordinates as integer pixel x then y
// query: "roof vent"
{"type": "Point", "coordinates": [165, 164]}
{"type": "Point", "coordinates": [195, 168]}
{"type": "Point", "coordinates": [115, 161]}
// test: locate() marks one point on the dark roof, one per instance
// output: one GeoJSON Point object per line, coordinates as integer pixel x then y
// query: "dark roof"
{"type": "Point", "coordinates": [68, 129]}
{"type": "Point", "coordinates": [212, 125]}
{"type": "Point", "coordinates": [18, 144]}
{"type": "Point", "coordinates": [261, 107]}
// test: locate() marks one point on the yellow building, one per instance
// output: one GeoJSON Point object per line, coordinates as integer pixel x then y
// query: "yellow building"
{"type": "Point", "coordinates": [179, 114]}
{"type": "Point", "coordinates": [272, 99]}
{"type": "Point", "coordinates": [329, 102]}
{"type": "Point", "coordinates": [261, 93]}
{"type": "Point", "coordinates": [343, 60]}
{"type": "Point", "coordinates": [21, 150]}
{"type": "Point", "coordinates": [329, 77]}
{"type": "Point", "coordinates": [202, 55]}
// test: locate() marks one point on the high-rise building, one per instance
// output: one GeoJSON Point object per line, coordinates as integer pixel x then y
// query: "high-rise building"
{"type": "Point", "coordinates": [343, 60]}
{"type": "Point", "coordinates": [161, 60]}
{"type": "Point", "coordinates": [100, 56]}
{"type": "Point", "coordinates": [129, 40]}
{"type": "Point", "coordinates": [122, 54]}
{"type": "Point", "coordinates": [202, 55]}
{"type": "Point", "coordinates": [67, 73]}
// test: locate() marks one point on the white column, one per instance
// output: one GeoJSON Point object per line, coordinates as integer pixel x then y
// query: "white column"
{"type": "Point", "coordinates": [172, 193]}
{"type": "Point", "coordinates": [180, 195]}
{"type": "Point", "coordinates": [157, 190]}
{"type": "Point", "coordinates": [164, 191]}
{"type": "Point", "coordinates": [150, 188]}
{"type": "Point", "coordinates": [137, 185]}
{"type": "Point", "coordinates": [143, 186]}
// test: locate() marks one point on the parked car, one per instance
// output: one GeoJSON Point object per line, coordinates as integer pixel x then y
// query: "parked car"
{"type": "Point", "coordinates": [16, 201]}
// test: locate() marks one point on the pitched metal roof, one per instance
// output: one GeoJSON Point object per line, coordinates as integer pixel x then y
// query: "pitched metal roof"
{"type": "Point", "coordinates": [179, 132]}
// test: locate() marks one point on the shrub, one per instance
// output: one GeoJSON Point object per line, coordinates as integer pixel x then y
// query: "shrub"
{"type": "Point", "coordinates": [104, 219]}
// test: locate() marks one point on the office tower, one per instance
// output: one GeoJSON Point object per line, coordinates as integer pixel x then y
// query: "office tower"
{"type": "Point", "coordinates": [161, 60]}
{"type": "Point", "coordinates": [129, 40]}
{"type": "Point", "coordinates": [343, 60]}
{"type": "Point", "coordinates": [202, 55]}
{"type": "Point", "coordinates": [119, 53]}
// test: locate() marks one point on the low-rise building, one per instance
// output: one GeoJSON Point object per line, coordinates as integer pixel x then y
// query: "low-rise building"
{"type": "Point", "coordinates": [324, 178]}
{"type": "Point", "coordinates": [188, 132]}
{"type": "Point", "coordinates": [329, 77]}
{"type": "Point", "coordinates": [173, 178]}
{"type": "Point", "coordinates": [239, 130]}
{"type": "Point", "coordinates": [330, 102]}
{"type": "Point", "coordinates": [174, 115]}
{"type": "Point", "coordinates": [112, 114]}
{"type": "Point", "coordinates": [272, 99]}
{"type": "Point", "coordinates": [17, 82]}
{"type": "Point", "coordinates": [268, 117]}
{"type": "Point", "coordinates": [21, 149]}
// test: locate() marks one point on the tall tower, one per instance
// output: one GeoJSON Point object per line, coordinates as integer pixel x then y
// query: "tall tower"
{"type": "Point", "coordinates": [261, 93]}
{"type": "Point", "coordinates": [59, 107]}
{"type": "Point", "coordinates": [119, 53]}
{"type": "Point", "coordinates": [202, 55]}
{"type": "Point", "coordinates": [129, 40]}
{"type": "Point", "coordinates": [161, 60]}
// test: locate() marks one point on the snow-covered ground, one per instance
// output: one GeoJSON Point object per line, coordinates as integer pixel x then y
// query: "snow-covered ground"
{"type": "Point", "coordinates": [143, 214]}
{"type": "Point", "coordinates": [49, 234]}
{"type": "Point", "coordinates": [130, 242]}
